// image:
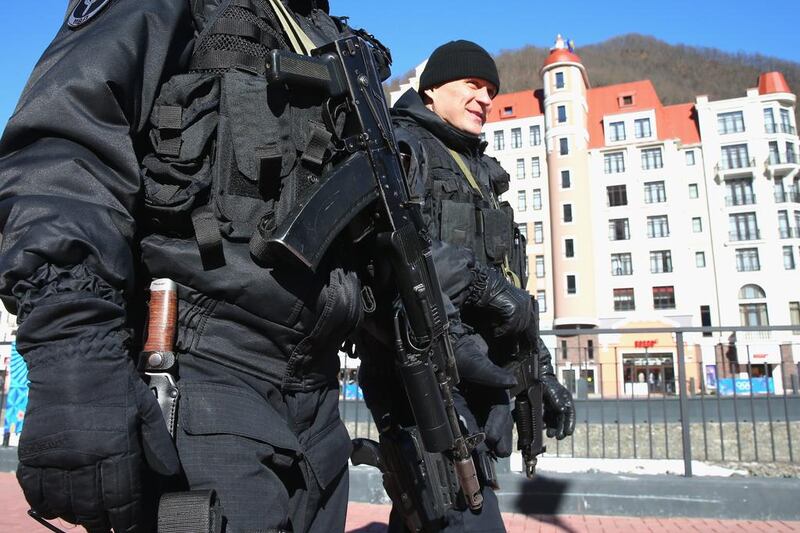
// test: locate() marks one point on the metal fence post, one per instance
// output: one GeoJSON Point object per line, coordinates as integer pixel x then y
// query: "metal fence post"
{"type": "Point", "coordinates": [684, 406]}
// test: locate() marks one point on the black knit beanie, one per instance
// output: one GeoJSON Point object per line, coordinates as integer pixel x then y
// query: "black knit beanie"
{"type": "Point", "coordinates": [458, 60]}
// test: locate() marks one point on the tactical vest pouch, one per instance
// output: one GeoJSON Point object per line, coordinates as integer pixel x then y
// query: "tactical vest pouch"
{"type": "Point", "coordinates": [496, 234]}
{"type": "Point", "coordinates": [177, 173]}
{"type": "Point", "coordinates": [458, 223]}
{"type": "Point", "coordinates": [255, 153]}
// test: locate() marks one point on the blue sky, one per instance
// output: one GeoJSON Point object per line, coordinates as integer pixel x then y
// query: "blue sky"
{"type": "Point", "coordinates": [412, 28]}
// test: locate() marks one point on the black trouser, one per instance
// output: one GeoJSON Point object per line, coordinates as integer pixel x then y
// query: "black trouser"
{"type": "Point", "coordinates": [278, 460]}
{"type": "Point", "coordinates": [488, 520]}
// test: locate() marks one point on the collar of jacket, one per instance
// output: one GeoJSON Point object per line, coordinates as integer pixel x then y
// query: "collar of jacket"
{"type": "Point", "coordinates": [411, 106]}
{"type": "Point", "coordinates": [304, 7]}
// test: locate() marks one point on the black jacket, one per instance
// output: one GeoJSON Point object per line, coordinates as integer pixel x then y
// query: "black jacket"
{"type": "Point", "coordinates": [78, 249]}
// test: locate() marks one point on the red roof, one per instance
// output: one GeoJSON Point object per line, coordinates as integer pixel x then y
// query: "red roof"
{"type": "Point", "coordinates": [772, 82]}
{"type": "Point", "coordinates": [561, 55]}
{"type": "Point", "coordinates": [523, 104]}
{"type": "Point", "coordinates": [672, 122]}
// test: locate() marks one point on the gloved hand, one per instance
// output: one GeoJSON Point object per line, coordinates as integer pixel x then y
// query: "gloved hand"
{"type": "Point", "coordinates": [90, 425]}
{"type": "Point", "coordinates": [507, 308]}
{"type": "Point", "coordinates": [484, 387]}
{"type": "Point", "coordinates": [559, 409]}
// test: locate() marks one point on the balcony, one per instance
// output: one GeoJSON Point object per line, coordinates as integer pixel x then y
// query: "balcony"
{"type": "Point", "coordinates": [787, 196]}
{"type": "Point", "coordinates": [780, 164]}
{"type": "Point", "coordinates": [780, 128]}
{"type": "Point", "coordinates": [734, 167]}
{"type": "Point", "coordinates": [740, 199]}
{"type": "Point", "coordinates": [752, 235]}
{"type": "Point", "coordinates": [789, 233]}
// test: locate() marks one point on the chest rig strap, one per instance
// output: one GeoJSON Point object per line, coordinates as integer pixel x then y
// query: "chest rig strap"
{"type": "Point", "coordinates": [509, 274]}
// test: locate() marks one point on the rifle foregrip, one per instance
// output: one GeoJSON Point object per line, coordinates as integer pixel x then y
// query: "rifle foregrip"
{"type": "Point", "coordinates": [163, 316]}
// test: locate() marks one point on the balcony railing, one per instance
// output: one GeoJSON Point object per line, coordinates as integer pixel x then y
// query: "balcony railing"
{"type": "Point", "coordinates": [782, 158]}
{"type": "Point", "coordinates": [787, 196]}
{"type": "Point", "coordinates": [752, 235]}
{"type": "Point", "coordinates": [740, 199]}
{"type": "Point", "coordinates": [736, 163]}
{"type": "Point", "coordinates": [779, 128]}
{"type": "Point", "coordinates": [789, 233]}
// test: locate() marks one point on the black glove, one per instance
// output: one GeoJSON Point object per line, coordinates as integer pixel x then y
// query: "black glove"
{"type": "Point", "coordinates": [559, 409]}
{"type": "Point", "coordinates": [484, 385]}
{"type": "Point", "coordinates": [507, 308]}
{"type": "Point", "coordinates": [91, 423]}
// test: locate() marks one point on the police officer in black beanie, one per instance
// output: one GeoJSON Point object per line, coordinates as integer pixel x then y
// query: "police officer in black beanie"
{"type": "Point", "coordinates": [439, 126]}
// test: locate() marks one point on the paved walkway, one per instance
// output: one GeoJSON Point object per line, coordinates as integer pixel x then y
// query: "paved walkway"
{"type": "Point", "coordinates": [367, 518]}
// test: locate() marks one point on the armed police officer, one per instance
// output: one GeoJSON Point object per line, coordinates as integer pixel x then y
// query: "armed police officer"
{"type": "Point", "coordinates": [439, 126]}
{"type": "Point", "coordinates": [148, 144]}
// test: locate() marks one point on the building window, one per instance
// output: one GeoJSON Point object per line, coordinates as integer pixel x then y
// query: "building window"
{"type": "Point", "coordinates": [614, 163]}
{"type": "Point", "coordinates": [522, 201]}
{"type": "Point", "coordinates": [769, 121]}
{"type": "Point", "coordinates": [623, 300]}
{"type": "Point", "coordinates": [794, 315]}
{"type": "Point", "coordinates": [541, 299]}
{"type": "Point", "coordinates": [572, 284]}
{"type": "Point", "coordinates": [732, 122]}
{"type": "Point", "coordinates": [499, 140]}
{"type": "Point", "coordinates": [536, 169]}
{"type": "Point", "coordinates": [657, 226]}
{"type": "Point", "coordinates": [705, 319]}
{"type": "Point", "coordinates": [561, 111]}
{"type": "Point", "coordinates": [516, 138]}
{"type": "Point", "coordinates": [651, 158]}
{"type": "Point", "coordinates": [535, 135]}
{"type": "Point", "coordinates": [700, 259]}
{"type": "Point", "coordinates": [743, 227]}
{"type": "Point", "coordinates": [508, 111]}
{"type": "Point", "coordinates": [660, 261]}
{"type": "Point", "coordinates": [559, 80]}
{"type": "Point", "coordinates": [618, 229]}
{"type": "Point", "coordinates": [590, 349]}
{"type": "Point", "coordinates": [567, 211]}
{"type": "Point", "coordinates": [664, 297]}
{"type": "Point", "coordinates": [617, 195]}
{"type": "Point", "coordinates": [538, 232]}
{"type": "Point", "coordinates": [539, 266]}
{"type": "Point", "coordinates": [753, 313]}
{"type": "Point", "coordinates": [697, 225]}
{"type": "Point", "coordinates": [693, 191]}
{"type": "Point", "coordinates": [690, 161]}
{"type": "Point", "coordinates": [523, 230]}
{"type": "Point", "coordinates": [740, 192]}
{"type": "Point", "coordinates": [655, 192]}
{"type": "Point", "coordinates": [520, 169]}
{"type": "Point", "coordinates": [735, 156]}
{"type": "Point", "coordinates": [747, 260]}
{"type": "Point", "coordinates": [791, 155]}
{"type": "Point", "coordinates": [566, 182]}
{"type": "Point", "coordinates": [537, 199]}
{"type": "Point", "coordinates": [563, 146]}
{"type": "Point", "coordinates": [788, 258]}
{"type": "Point", "coordinates": [642, 128]}
{"type": "Point", "coordinates": [786, 122]}
{"type": "Point", "coordinates": [569, 248]}
{"type": "Point", "coordinates": [774, 153]}
{"type": "Point", "coordinates": [784, 230]}
{"type": "Point", "coordinates": [621, 264]}
{"type": "Point", "coordinates": [616, 131]}
{"type": "Point", "coordinates": [626, 100]}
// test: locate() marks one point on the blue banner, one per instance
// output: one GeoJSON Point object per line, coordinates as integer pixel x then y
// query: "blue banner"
{"type": "Point", "coordinates": [352, 392]}
{"type": "Point", "coordinates": [17, 398]}
{"type": "Point", "coordinates": [745, 385]}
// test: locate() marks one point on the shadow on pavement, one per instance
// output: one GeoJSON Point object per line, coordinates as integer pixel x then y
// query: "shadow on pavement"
{"type": "Point", "coordinates": [542, 496]}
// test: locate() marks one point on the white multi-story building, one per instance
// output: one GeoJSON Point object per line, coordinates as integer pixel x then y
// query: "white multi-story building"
{"type": "Point", "coordinates": [641, 215]}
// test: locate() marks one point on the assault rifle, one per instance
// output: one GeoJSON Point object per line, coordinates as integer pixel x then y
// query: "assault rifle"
{"type": "Point", "coordinates": [370, 183]}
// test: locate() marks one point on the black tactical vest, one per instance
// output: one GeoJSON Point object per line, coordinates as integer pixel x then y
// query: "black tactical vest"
{"type": "Point", "coordinates": [231, 151]}
{"type": "Point", "coordinates": [465, 215]}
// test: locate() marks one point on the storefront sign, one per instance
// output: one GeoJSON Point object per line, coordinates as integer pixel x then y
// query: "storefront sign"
{"type": "Point", "coordinates": [744, 386]}
{"type": "Point", "coordinates": [644, 344]}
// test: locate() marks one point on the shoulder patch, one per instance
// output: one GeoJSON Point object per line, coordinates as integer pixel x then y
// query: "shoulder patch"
{"type": "Point", "coordinates": [85, 11]}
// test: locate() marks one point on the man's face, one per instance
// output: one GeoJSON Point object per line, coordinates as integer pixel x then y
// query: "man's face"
{"type": "Point", "coordinates": [464, 104]}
